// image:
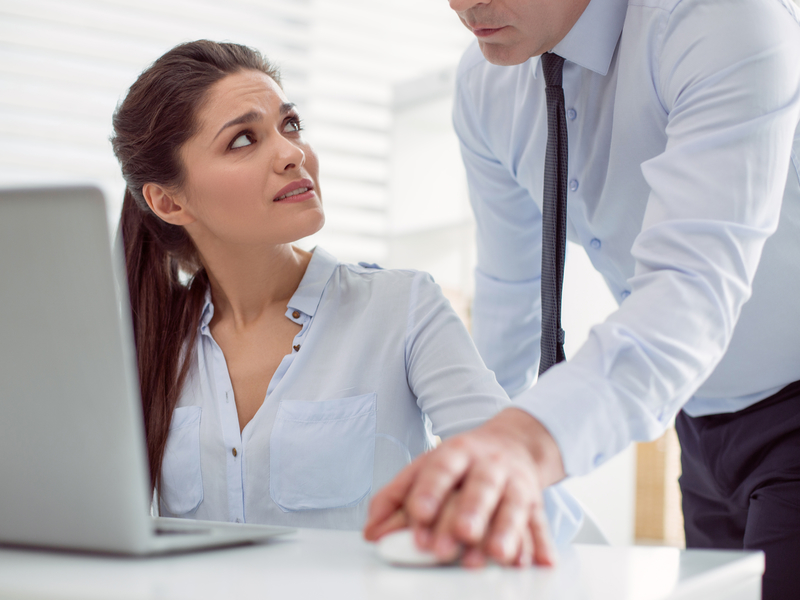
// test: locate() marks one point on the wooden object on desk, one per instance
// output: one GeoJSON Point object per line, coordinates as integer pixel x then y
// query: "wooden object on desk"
{"type": "Point", "coordinates": [659, 519]}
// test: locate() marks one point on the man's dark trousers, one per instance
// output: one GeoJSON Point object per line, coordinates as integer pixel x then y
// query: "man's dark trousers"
{"type": "Point", "coordinates": [741, 485]}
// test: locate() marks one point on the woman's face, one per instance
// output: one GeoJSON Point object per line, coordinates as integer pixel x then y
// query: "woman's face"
{"type": "Point", "coordinates": [250, 177]}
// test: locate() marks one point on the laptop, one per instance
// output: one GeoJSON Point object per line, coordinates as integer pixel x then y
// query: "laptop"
{"type": "Point", "coordinates": [73, 461]}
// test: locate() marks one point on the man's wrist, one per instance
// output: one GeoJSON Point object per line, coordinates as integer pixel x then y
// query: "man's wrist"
{"type": "Point", "coordinates": [537, 440]}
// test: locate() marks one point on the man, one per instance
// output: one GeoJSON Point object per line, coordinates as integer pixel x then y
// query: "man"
{"type": "Point", "coordinates": [681, 180]}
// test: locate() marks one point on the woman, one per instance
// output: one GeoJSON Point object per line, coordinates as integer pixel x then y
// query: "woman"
{"type": "Point", "coordinates": [279, 386]}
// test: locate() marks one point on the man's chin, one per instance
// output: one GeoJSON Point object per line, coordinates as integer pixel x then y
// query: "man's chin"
{"type": "Point", "coordinates": [503, 55]}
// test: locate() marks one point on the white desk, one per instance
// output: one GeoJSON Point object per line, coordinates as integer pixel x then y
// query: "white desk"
{"type": "Point", "coordinates": [323, 565]}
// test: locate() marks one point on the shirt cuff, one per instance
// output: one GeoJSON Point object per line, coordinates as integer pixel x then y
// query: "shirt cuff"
{"type": "Point", "coordinates": [564, 514]}
{"type": "Point", "coordinates": [589, 423]}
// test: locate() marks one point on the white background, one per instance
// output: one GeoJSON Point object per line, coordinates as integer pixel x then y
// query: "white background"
{"type": "Point", "coordinates": [373, 82]}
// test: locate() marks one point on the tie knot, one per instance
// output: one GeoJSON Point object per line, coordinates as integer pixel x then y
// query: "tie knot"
{"type": "Point", "coordinates": [551, 67]}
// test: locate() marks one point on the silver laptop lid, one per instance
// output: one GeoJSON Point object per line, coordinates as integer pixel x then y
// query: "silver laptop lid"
{"type": "Point", "coordinates": [73, 470]}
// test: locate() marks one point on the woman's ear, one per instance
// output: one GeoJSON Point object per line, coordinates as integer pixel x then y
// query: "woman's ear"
{"type": "Point", "coordinates": [167, 206]}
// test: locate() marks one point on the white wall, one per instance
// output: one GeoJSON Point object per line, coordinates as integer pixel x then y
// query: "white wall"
{"type": "Point", "coordinates": [609, 492]}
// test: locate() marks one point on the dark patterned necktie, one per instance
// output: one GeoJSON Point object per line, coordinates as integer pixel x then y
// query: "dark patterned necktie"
{"type": "Point", "coordinates": [554, 214]}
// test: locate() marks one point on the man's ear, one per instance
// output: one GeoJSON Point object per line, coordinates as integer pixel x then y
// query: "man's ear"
{"type": "Point", "coordinates": [167, 206]}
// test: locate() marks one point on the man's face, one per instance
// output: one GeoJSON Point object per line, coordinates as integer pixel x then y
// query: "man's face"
{"type": "Point", "coordinates": [509, 32]}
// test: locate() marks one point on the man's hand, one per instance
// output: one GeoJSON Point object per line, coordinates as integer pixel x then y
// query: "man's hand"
{"type": "Point", "coordinates": [481, 490]}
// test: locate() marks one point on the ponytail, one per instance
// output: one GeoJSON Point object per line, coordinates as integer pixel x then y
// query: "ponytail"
{"type": "Point", "coordinates": [152, 123]}
{"type": "Point", "coordinates": [165, 316]}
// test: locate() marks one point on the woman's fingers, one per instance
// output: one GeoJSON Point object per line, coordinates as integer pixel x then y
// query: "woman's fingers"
{"type": "Point", "coordinates": [385, 505]}
{"type": "Point", "coordinates": [397, 520]}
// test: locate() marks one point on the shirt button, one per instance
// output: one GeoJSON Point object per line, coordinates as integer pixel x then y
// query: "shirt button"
{"type": "Point", "coordinates": [625, 294]}
{"type": "Point", "coordinates": [572, 114]}
{"type": "Point", "coordinates": [598, 459]}
{"type": "Point", "coordinates": [573, 185]}
{"type": "Point", "coordinates": [234, 452]}
{"type": "Point", "coordinates": [595, 243]}
{"type": "Point", "coordinates": [296, 314]}
{"type": "Point", "coordinates": [238, 520]}
{"type": "Point", "coordinates": [296, 348]}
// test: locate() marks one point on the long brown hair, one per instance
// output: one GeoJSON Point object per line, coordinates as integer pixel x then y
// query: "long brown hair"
{"type": "Point", "coordinates": [152, 123]}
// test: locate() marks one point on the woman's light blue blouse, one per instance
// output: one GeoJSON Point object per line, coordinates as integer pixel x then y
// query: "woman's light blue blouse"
{"type": "Point", "coordinates": [381, 365]}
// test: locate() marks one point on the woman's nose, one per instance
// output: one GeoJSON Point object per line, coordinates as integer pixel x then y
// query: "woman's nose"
{"type": "Point", "coordinates": [290, 156]}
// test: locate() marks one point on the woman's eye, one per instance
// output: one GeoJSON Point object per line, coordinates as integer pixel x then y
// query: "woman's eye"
{"type": "Point", "coordinates": [293, 126]}
{"type": "Point", "coordinates": [241, 141]}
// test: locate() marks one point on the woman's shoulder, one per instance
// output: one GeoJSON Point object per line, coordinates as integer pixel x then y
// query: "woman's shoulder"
{"type": "Point", "coordinates": [368, 284]}
{"type": "Point", "coordinates": [373, 274]}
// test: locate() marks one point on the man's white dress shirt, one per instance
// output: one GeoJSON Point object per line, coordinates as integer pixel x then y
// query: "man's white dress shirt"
{"type": "Point", "coordinates": [382, 363]}
{"type": "Point", "coordinates": [684, 158]}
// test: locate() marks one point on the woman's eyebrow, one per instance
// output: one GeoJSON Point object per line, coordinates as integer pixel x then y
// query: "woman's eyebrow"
{"type": "Point", "coordinates": [253, 116]}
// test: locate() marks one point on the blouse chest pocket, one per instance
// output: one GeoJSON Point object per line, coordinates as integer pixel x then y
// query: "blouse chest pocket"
{"type": "Point", "coordinates": [322, 452]}
{"type": "Point", "coordinates": [181, 480]}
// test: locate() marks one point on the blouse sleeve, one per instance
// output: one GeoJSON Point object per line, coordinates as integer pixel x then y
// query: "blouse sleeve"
{"type": "Point", "coordinates": [456, 390]}
{"type": "Point", "coordinates": [445, 372]}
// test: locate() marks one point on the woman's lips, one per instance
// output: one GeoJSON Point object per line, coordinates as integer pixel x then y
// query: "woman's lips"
{"type": "Point", "coordinates": [297, 191]}
{"type": "Point", "coordinates": [299, 195]}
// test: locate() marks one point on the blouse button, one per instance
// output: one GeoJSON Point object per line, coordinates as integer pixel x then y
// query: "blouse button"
{"type": "Point", "coordinates": [573, 185]}
{"type": "Point", "coordinates": [595, 243]}
{"type": "Point", "coordinates": [572, 114]}
{"type": "Point", "coordinates": [234, 452]}
{"type": "Point", "coordinates": [296, 314]}
{"type": "Point", "coordinates": [296, 348]}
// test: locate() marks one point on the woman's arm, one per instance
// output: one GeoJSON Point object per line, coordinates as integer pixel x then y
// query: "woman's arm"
{"type": "Point", "coordinates": [457, 392]}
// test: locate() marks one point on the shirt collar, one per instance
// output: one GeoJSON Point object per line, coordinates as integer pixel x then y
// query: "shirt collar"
{"type": "Point", "coordinates": [208, 310]}
{"type": "Point", "coordinates": [592, 40]}
{"type": "Point", "coordinates": [308, 294]}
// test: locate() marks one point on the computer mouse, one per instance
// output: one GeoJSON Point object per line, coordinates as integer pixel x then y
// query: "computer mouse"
{"type": "Point", "coordinates": [398, 548]}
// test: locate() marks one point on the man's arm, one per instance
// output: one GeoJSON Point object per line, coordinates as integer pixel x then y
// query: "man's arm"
{"type": "Point", "coordinates": [716, 195]}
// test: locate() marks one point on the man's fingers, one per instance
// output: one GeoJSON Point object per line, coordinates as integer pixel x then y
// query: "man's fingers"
{"type": "Point", "coordinates": [445, 545]}
{"type": "Point", "coordinates": [473, 558]}
{"type": "Point", "coordinates": [510, 525]}
{"type": "Point", "coordinates": [443, 472]}
{"type": "Point", "coordinates": [390, 499]}
{"type": "Point", "coordinates": [478, 498]}
{"type": "Point", "coordinates": [543, 550]}
{"type": "Point", "coordinates": [525, 556]}
{"type": "Point", "coordinates": [461, 495]}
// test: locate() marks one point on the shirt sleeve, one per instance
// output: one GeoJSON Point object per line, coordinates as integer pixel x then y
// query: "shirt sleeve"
{"type": "Point", "coordinates": [730, 93]}
{"type": "Point", "coordinates": [452, 385]}
{"type": "Point", "coordinates": [506, 311]}
{"type": "Point", "coordinates": [455, 389]}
